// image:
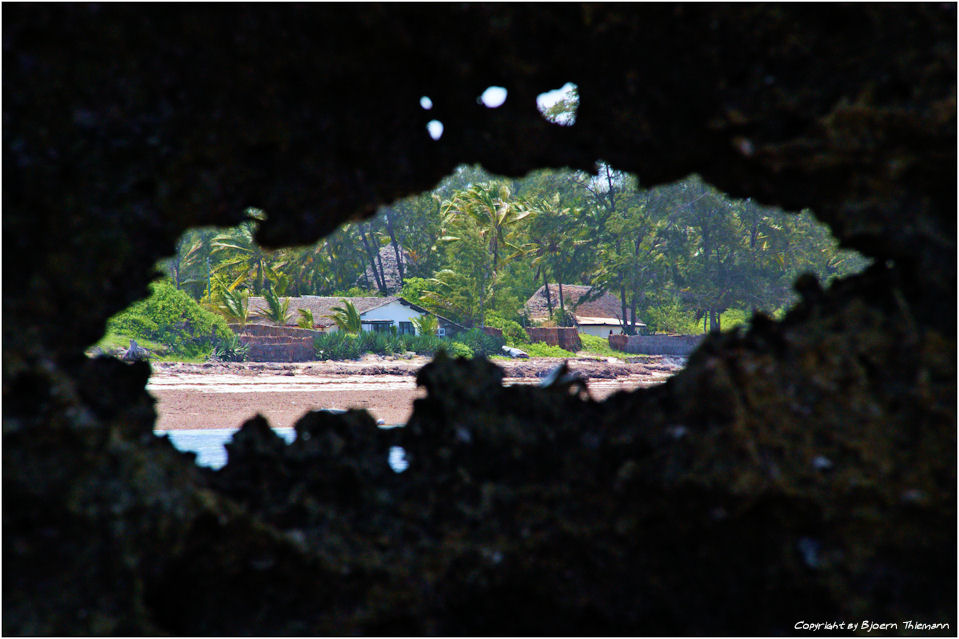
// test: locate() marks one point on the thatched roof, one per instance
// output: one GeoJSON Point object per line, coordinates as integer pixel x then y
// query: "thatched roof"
{"type": "Point", "coordinates": [390, 271]}
{"type": "Point", "coordinates": [605, 309]}
{"type": "Point", "coordinates": [319, 306]}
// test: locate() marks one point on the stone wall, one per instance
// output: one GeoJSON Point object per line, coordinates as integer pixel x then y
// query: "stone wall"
{"type": "Point", "coordinates": [276, 343]}
{"type": "Point", "coordinates": [292, 350]}
{"type": "Point", "coordinates": [567, 338]}
{"type": "Point", "coordinates": [679, 345]}
{"type": "Point", "coordinates": [266, 330]}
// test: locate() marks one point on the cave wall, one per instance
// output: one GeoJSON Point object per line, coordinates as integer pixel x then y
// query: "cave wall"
{"type": "Point", "coordinates": [125, 125]}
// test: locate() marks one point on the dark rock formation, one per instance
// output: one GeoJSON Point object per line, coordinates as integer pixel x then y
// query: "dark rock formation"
{"type": "Point", "coordinates": [805, 470]}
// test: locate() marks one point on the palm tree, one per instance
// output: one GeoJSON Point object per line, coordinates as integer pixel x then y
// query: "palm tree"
{"type": "Point", "coordinates": [489, 206]}
{"type": "Point", "coordinates": [233, 305]}
{"type": "Point", "coordinates": [550, 244]}
{"type": "Point", "coordinates": [243, 259]}
{"type": "Point", "coordinates": [305, 320]}
{"type": "Point", "coordinates": [492, 214]}
{"type": "Point", "coordinates": [346, 318]}
{"type": "Point", "coordinates": [426, 324]}
{"type": "Point", "coordinates": [277, 310]}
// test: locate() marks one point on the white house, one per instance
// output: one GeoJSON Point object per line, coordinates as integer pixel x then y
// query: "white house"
{"type": "Point", "coordinates": [376, 313]}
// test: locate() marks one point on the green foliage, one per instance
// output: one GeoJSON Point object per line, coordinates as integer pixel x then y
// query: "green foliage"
{"type": "Point", "coordinates": [231, 350]}
{"type": "Point", "coordinates": [480, 343]}
{"type": "Point", "coordinates": [426, 324]}
{"type": "Point", "coordinates": [413, 289]}
{"type": "Point", "coordinates": [355, 291]}
{"type": "Point", "coordinates": [339, 345]}
{"type": "Point", "coordinates": [478, 246]}
{"type": "Point", "coordinates": [513, 333]}
{"type": "Point", "coordinates": [172, 318]}
{"type": "Point", "coordinates": [669, 316]}
{"type": "Point", "coordinates": [542, 349]}
{"type": "Point", "coordinates": [277, 310]}
{"type": "Point", "coordinates": [347, 318]}
{"type": "Point", "coordinates": [458, 349]}
{"type": "Point", "coordinates": [594, 345]}
{"type": "Point", "coordinates": [234, 305]}
{"type": "Point", "coordinates": [305, 319]}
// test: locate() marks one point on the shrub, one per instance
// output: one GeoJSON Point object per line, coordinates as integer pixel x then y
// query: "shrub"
{"type": "Point", "coordinates": [174, 319]}
{"type": "Point", "coordinates": [230, 350]}
{"type": "Point", "coordinates": [426, 324]}
{"type": "Point", "coordinates": [340, 345]}
{"type": "Point", "coordinates": [458, 349]}
{"type": "Point", "coordinates": [542, 349]}
{"type": "Point", "coordinates": [513, 333]}
{"type": "Point", "coordinates": [481, 344]}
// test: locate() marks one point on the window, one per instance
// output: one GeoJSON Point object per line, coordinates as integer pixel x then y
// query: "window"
{"type": "Point", "coordinates": [406, 328]}
{"type": "Point", "coordinates": [381, 327]}
{"type": "Point", "coordinates": [441, 332]}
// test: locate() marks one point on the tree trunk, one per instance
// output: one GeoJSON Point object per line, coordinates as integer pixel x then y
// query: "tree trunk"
{"type": "Point", "coordinates": [622, 309]}
{"type": "Point", "coordinates": [549, 299]}
{"type": "Point", "coordinates": [372, 258]}
{"type": "Point", "coordinates": [396, 247]}
{"type": "Point", "coordinates": [562, 304]}
{"type": "Point", "coordinates": [714, 322]}
{"type": "Point", "coordinates": [379, 261]}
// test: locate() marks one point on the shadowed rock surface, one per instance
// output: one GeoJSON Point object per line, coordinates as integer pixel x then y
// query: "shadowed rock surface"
{"type": "Point", "coordinates": [805, 470]}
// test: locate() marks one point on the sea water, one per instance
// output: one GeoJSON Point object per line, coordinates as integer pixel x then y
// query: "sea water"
{"type": "Point", "coordinates": [208, 444]}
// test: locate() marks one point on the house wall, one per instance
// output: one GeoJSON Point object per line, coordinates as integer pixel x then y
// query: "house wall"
{"type": "Point", "coordinates": [394, 311]}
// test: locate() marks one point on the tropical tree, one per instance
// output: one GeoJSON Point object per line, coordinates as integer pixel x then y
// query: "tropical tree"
{"type": "Point", "coordinates": [346, 317]}
{"type": "Point", "coordinates": [242, 260]}
{"type": "Point", "coordinates": [305, 319]}
{"type": "Point", "coordinates": [233, 305]}
{"type": "Point", "coordinates": [553, 242]}
{"type": "Point", "coordinates": [487, 214]}
{"type": "Point", "coordinates": [277, 309]}
{"type": "Point", "coordinates": [426, 324]}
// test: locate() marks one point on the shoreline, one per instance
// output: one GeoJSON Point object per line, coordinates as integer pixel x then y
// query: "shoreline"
{"type": "Point", "coordinates": [224, 395]}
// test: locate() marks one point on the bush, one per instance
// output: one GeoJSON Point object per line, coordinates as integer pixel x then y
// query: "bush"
{"type": "Point", "coordinates": [513, 333]}
{"type": "Point", "coordinates": [458, 349]}
{"type": "Point", "coordinates": [340, 345]}
{"type": "Point", "coordinates": [542, 349]}
{"type": "Point", "coordinates": [230, 350]}
{"type": "Point", "coordinates": [174, 319]}
{"type": "Point", "coordinates": [481, 344]}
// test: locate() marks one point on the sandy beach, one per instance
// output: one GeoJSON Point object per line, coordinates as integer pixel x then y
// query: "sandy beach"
{"type": "Point", "coordinates": [224, 395]}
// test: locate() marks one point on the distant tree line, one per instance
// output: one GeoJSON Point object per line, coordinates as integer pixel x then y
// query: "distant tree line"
{"type": "Point", "coordinates": [477, 247]}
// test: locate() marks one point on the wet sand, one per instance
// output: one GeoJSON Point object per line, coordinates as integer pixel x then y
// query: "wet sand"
{"type": "Point", "coordinates": [191, 396]}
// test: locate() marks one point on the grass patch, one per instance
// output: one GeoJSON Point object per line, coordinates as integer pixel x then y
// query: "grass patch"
{"type": "Point", "coordinates": [599, 346]}
{"type": "Point", "coordinates": [542, 349]}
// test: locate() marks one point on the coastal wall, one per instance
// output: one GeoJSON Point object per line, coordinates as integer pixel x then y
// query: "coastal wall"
{"type": "Point", "coordinates": [567, 338]}
{"type": "Point", "coordinates": [679, 345]}
{"type": "Point", "coordinates": [299, 349]}
{"type": "Point", "coordinates": [276, 343]}
{"type": "Point", "coordinates": [265, 330]}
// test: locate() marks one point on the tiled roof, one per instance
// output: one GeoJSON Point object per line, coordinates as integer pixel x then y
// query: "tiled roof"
{"type": "Point", "coordinates": [319, 306]}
